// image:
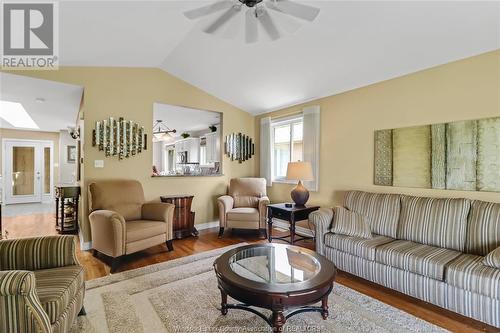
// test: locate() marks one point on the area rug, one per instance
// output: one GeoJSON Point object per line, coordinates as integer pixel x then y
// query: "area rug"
{"type": "Point", "coordinates": [181, 296]}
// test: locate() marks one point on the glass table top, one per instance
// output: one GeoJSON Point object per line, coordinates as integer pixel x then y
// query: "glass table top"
{"type": "Point", "coordinates": [276, 264]}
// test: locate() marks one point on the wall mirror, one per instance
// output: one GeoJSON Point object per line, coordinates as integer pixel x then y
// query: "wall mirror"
{"type": "Point", "coordinates": [186, 141]}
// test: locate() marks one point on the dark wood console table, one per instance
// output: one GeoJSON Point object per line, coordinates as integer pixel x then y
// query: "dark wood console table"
{"type": "Point", "coordinates": [183, 216]}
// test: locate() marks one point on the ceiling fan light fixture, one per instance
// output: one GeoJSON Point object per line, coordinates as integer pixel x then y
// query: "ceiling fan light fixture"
{"type": "Point", "coordinates": [250, 3]}
{"type": "Point", "coordinates": [263, 13]}
{"type": "Point", "coordinates": [260, 11]}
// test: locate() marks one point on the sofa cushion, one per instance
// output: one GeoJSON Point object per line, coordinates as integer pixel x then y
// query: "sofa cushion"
{"type": "Point", "coordinates": [468, 272]}
{"type": "Point", "coordinates": [416, 258]}
{"type": "Point", "coordinates": [143, 229]}
{"type": "Point", "coordinates": [346, 222]}
{"type": "Point", "coordinates": [492, 259]}
{"type": "Point", "coordinates": [56, 288]}
{"type": "Point", "coordinates": [434, 221]}
{"type": "Point", "coordinates": [381, 209]}
{"type": "Point", "coordinates": [483, 228]}
{"type": "Point", "coordinates": [243, 214]}
{"type": "Point", "coordinates": [361, 247]}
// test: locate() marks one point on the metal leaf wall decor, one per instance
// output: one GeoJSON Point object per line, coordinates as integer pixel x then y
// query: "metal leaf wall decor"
{"type": "Point", "coordinates": [122, 138]}
{"type": "Point", "coordinates": [239, 147]}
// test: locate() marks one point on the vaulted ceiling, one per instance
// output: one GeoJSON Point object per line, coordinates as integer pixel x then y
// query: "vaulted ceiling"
{"type": "Point", "coordinates": [350, 44]}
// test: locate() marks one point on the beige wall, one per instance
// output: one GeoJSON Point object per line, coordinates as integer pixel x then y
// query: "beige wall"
{"type": "Point", "coordinates": [130, 93]}
{"type": "Point", "coordinates": [34, 135]}
{"type": "Point", "coordinates": [467, 89]}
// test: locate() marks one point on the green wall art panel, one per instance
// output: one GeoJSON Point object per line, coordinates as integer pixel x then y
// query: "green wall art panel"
{"type": "Point", "coordinates": [488, 146]}
{"type": "Point", "coordinates": [412, 157]}
{"type": "Point", "coordinates": [383, 157]}
{"type": "Point", "coordinates": [462, 155]}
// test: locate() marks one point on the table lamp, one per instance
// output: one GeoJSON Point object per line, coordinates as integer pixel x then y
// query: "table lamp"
{"type": "Point", "coordinates": [299, 171]}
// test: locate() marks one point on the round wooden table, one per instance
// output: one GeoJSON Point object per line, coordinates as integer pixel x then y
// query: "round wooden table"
{"type": "Point", "coordinates": [285, 279]}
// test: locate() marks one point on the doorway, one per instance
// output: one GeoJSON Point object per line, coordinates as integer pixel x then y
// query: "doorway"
{"type": "Point", "coordinates": [28, 171]}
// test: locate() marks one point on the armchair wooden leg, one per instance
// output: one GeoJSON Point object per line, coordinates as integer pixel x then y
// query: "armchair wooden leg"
{"type": "Point", "coordinates": [264, 232]}
{"type": "Point", "coordinates": [221, 232]}
{"type": "Point", "coordinates": [115, 263]}
{"type": "Point", "coordinates": [82, 312]}
{"type": "Point", "coordinates": [170, 245]}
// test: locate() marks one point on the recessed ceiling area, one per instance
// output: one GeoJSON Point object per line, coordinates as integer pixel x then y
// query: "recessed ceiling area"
{"type": "Point", "coordinates": [184, 119]}
{"type": "Point", "coordinates": [349, 45]}
{"type": "Point", "coordinates": [52, 106]}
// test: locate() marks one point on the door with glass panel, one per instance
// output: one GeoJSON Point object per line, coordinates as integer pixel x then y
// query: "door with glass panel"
{"type": "Point", "coordinates": [28, 171]}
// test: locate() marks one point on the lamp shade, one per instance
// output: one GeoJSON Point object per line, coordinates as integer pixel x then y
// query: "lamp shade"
{"type": "Point", "coordinates": [299, 171]}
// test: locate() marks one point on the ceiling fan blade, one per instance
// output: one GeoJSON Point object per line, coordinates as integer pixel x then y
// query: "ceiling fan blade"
{"type": "Point", "coordinates": [251, 28]}
{"type": "Point", "coordinates": [207, 10]}
{"type": "Point", "coordinates": [269, 26]}
{"type": "Point", "coordinates": [295, 9]}
{"type": "Point", "coordinates": [223, 19]}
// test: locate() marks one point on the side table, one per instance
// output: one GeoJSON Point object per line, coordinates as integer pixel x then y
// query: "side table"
{"type": "Point", "coordinates": [183, 216]}
{"type": "Point", "coordinates": [67, 209]}
{"type": "Point", "coordinates": [290, 214]}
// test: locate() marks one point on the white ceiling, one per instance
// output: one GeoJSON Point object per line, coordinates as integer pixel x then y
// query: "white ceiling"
{"type": "Point", "coordinates": [59, 108]}
{"type": "Point", "coordinates": [185, 119]}
{"type": "Point", "coordinates": [351, 44]}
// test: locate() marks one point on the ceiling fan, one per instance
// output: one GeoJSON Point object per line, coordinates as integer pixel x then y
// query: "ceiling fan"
{"type": "Point", "coordinates": [275, 17]}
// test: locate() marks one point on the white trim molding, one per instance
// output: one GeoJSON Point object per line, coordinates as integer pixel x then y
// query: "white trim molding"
{"type": "Point", "coordinates": [208, 225]}
{"type": "Point", "coordinates": [301, 231]}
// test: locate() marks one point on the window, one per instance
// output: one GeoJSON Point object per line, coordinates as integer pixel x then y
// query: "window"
{"type": "Point", "coordinates": [286, 145]}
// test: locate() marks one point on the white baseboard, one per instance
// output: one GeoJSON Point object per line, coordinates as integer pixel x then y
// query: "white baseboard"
{"type": "Point", "coordinates": [298, 230]}
{"type": "Point", "coordinates": [208, 225]}
{"type": "Point", "coordinates": [84, 246]}
{"type": "Point", "coordinates": [276, 223]}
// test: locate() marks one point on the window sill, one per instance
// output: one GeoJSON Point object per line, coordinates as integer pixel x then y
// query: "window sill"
{"type": "Point", "coordinates": [284, 181]}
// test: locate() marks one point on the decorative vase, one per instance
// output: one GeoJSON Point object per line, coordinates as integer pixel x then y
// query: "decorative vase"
{"type": "Point", "coordinates": [300, 194]}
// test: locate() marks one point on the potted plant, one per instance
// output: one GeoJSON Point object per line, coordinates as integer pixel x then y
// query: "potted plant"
{"type": "Point", "coordinates": [213, 128]}
{"type": "Point", "coordinates": [185, 135]}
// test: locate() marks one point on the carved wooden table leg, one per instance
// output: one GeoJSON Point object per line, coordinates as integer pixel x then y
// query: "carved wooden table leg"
{"type": "Point", "coordinates": [269, 224]}
{"type": "Point", "coordinates": [324, 306]}
{"type": "Point", "coordinates": [278, 320]}
{"type": "Point", "coordinates": [223, 303]}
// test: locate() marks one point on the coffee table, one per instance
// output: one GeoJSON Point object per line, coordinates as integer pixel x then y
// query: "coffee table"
{"type": "Point", "coordinates": [285, 279]}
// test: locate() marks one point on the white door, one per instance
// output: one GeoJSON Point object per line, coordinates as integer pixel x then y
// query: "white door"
{"type": "Point", "coordinates": [28, 171]}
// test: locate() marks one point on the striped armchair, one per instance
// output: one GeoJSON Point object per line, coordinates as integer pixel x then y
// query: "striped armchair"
{"type": "Point", "coordinates": [41, 284]}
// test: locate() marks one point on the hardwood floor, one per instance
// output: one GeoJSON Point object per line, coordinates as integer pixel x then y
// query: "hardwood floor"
{"type": "Point", "coordinates": [43, 224]}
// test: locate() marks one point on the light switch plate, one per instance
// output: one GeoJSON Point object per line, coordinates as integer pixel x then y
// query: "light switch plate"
{"type": "Point", "coordinates": [98, 164]}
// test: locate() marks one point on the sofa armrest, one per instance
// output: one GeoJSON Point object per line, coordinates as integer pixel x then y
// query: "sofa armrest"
{"type": "Point", "coordinates": [20, 302]}
{"type": "Point", "coordinates": [225, 204]}
{"type": "Point", "coordinates": [322, 221]}
{"type": "Point", "coordinates": [108, 230]}
{"type": "Point", "coordinates": [36, 253]}
{"type": "Point", "coordinates": [263, 202]}
{"type": "Point", "coordinates": [160, 211]}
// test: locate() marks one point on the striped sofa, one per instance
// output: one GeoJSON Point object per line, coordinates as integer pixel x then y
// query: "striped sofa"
{"type": "Point", "coordinates": [428, 248]}
{"type": "Point", "coordinates": [41, 284]}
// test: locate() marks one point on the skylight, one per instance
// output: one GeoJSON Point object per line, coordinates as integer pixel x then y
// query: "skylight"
{"type": "Point", "coordinates": [16, 115]}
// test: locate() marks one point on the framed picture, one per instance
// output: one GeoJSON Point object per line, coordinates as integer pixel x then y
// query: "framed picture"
{"type": "Point", "coordinates": [71, 154]}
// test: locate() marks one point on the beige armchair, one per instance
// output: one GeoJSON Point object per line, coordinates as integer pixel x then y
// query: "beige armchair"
{"type": "Point", "coordinates": [122, 223]}
{"type": "Point", "coordinates": [245, 206]}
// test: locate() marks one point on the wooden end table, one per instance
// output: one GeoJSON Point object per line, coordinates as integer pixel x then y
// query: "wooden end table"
{"type": "Point", "coordinates": [290, 214]}
{"type": "Point", "coordinates": [183, 223]}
